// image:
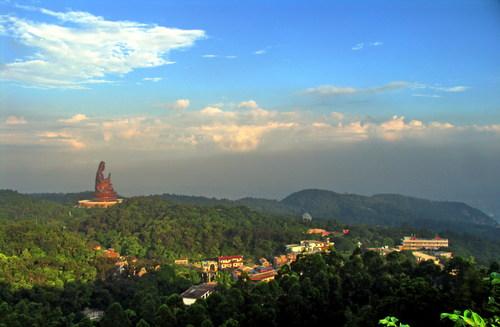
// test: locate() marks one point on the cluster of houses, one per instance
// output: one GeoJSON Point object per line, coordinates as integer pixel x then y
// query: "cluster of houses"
{"type": "Point", "coordinates": [422, 249]}
{"type": "Point", "coordinates": [123, 265]}
{"type": "Point", "coordinates": [264, 271]}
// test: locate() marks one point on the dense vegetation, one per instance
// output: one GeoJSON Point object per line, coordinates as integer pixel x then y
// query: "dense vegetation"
{"type": "Point", "coordinates": [318, 290]}
{"type": "Point", "coordinates": [49, 271]}
{"type": "Point", "coordinates": [151, 227]}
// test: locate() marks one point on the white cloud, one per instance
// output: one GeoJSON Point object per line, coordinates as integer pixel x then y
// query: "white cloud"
{"type": "Point", "coordinates": [358, 46]}
{"type": "Point", "coordinates": [248, 104]}
{"type": "Point", "coordinates": [331, 90]}
{"type": "Point", "coordinates": [240, 138]}
{"type": "Point", "coordinates": [334, 90]}
{"type": "Point", "coordinates": [84, 49]}
{"type": "Point", "coordinates": [209, 56]}
{"type": "Point", "coordinates": [212, 111]}
{"type": "Point", "coordinates": [452, 89]}
{"type": "Point", "coordinates": [75, 119]}
{"type": "Point", "coordinates": [231, 57]}
{"type": "Point", "coordinates": [179, 104]}
{"type": "Point", "coordinates": [260, 52]}
{"type": "Point", "coordinates": [152, 79]}
{"type": "Point", "coordinates": [124, 128]}
{"type": "Point", "coordinates": [261, 113]}
{"type": "Point", "coordinates": [15, 120]}
{"type": "Point", "coordinates": [362, 45]}
{"type": "Point", "coordinates": [426, 95]}
{"type": "Point", "coordinates": [63, 138]}
{"type": "Point", "coordinates": [321, 125]}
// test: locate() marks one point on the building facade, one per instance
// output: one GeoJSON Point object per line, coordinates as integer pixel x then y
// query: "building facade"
{"type": "Point", "coordinates": [413, 243]}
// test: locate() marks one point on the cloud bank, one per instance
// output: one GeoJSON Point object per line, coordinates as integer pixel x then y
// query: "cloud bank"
{"type": "Point", "coordinates": [241, 127]}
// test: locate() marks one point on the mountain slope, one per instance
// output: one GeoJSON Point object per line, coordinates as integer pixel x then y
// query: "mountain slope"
{"type": "Point", "coordinates": [393, 210]}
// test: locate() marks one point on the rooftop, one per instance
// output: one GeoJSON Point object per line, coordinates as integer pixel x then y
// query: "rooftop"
{"type": "Point", "coordinates": [197, 291]}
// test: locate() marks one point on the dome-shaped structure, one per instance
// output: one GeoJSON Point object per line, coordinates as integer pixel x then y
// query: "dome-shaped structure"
{"type": "Point", "coordinates": [307, 217]}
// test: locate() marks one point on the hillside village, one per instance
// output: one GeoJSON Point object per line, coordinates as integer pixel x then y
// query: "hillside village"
{"type": "Point", "coordinates": [237, 267]}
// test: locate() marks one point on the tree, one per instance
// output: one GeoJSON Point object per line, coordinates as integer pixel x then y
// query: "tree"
{"type": "Point", "coordinates": [165, 317]}
{"type": "Point", "coordinates": [231, 323]}
{"type": "Point", "coordinates": [115, 316]}
{"type": "Point", "coordinates": [142, 323]}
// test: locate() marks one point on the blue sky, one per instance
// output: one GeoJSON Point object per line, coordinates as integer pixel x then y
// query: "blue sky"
{"type": "Point", "coordinates": [445, 43]}
{"type": "Point", "coordinates": [82, 81]}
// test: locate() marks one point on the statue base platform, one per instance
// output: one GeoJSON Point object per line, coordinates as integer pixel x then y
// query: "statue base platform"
{"type": "Point", "coordinates": [98, 204]}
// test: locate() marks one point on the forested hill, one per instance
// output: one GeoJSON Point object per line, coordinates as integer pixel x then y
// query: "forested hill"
{"type": "Point", "coordinates": [262, 205]}
{"type": "Point", "coordinates": [64, 198]}
{"type": "Point", "coordinates": [385, 209]}
{"type": "Point", "coordinates": [472, 231]}
{"type": "Point", "coordinates": [14, 205]}
{"type": "Point", "coordinates": [381, 210]}
{"type": "Point", "coordinates": [154, 227]}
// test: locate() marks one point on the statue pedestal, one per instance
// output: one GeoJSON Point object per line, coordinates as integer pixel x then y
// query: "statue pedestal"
{"type": "Point", "coordinates": [97, 203]}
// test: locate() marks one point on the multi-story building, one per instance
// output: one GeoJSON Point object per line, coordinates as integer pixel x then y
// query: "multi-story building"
{"type": "Point", "coordinates": [413, 243]}
{"type": "Point", "coordinates": [230, 262]}
{"type": "Point", "coordinates": [209, 268]}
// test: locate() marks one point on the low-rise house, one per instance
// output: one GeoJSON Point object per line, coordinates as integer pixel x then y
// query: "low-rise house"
{"type": "Point", "coordinates": [196, 292]}
{"type": "Point", "coordinates": [93, 314]}
{"type": "Point", "coordinates": [443, 254]}
{"type": "Point", "coordinates": [262, 274]}
{"type": "Point", "coordinates": [294, 248]}
{"type": "Point", "coordinates": [313, 246]}
{"type": "Point", "coordinates": [143, 271]}
{"type": "Point", "coordinates": [284, 259]}
{"type": "Point", "coordinates": [111, 254]}
{"type": "Point", "coordinates": [318, 231]}
{"type": "Point", "coordinates": [437, 257]}
{"type": "Point", "coordinates": [181, 261]}
{"type": "Point", "coordinates": [263, 262]}
{"type": "Point", "coordinates": [421, 256]}
{"type": "Point", "coordinates": [385, 250]}
{"type": "Point", "coordinates": [310, 246]}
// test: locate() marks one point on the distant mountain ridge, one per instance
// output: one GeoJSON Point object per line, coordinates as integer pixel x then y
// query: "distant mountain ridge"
{"type": "Point", "coordinates": [380, 210]}
{"type": "Point", "coordinates": [383, 208]}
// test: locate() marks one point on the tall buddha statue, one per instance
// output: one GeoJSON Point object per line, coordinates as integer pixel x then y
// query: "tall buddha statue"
{"type": "Point", "coordinates": [103, 187]}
